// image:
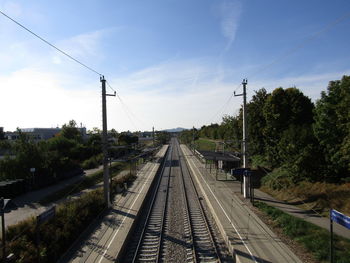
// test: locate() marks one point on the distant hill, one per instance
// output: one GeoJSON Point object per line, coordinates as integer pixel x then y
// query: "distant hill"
{"type": "Point", "coordinates": [175, 130]}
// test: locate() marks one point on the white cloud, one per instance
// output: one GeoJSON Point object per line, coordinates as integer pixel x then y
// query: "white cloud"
{"type": "Point", "coordinates": [230, 15]}
{"type": "Point", "coordinates": [31, 98]}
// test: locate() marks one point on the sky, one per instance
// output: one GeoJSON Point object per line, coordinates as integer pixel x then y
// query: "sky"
{"type": "Point", "coordinates": [173, 63]}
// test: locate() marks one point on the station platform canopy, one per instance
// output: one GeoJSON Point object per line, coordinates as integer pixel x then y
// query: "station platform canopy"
{"type": "Point", "coordinates": [219, 156]}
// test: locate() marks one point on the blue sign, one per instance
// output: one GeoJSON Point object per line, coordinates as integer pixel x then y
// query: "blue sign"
{"type": "Point", "coordinates": [340, 218]}
{"type": "Point", "coordinates": [239, 171]}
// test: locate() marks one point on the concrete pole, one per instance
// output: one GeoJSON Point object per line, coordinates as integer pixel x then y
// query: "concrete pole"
{"type": "Point", "coordinates": [153, 135]}
{"type": "Point", "coordinates": [245, 161]}
{"type": "Point", "coordinates": [104, 145]}
{"type": "Point", "coordinates": [244, 142]}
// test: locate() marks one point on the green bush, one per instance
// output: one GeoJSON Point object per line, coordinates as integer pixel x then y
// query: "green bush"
{"type": "Point", "coordinates": [57, 235]}
{"type": "Point", "coordinates": [92, 162]}
{"type": "Point", "coordinates": [278, 179]}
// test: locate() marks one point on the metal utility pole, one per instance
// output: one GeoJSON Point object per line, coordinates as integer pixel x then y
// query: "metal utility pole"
{"type": "Point", "coordinates": [153, 135]}
{"type": "Point", "coordinates": [244, 142]}
{"type": "Point", "coordinates": [105, 143]}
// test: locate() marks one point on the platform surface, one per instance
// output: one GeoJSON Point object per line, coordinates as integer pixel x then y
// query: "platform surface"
{"type": "Point", "coordinates": [248, 238]}
{"type": "Point", "coordinates": [105, 239]}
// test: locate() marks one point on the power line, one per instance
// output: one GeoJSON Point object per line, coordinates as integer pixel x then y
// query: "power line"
{"type": "Point", "coordinates": [225, 105]}
{"type": "Point", "coordinates": [288, 53]}
{"type": "Point", "coordinates": [127, 110]}
{"type": "Point", "coordinates": [48, 43]}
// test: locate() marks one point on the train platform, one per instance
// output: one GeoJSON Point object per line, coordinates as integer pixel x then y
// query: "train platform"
{"type": "Point", "coordinates": [104, 240]}
{"type": "Point", "coordinates": [248, 238]}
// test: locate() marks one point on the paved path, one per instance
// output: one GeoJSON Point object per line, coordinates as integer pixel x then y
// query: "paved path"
{"type": "Point", "coordinates": [28, 204]}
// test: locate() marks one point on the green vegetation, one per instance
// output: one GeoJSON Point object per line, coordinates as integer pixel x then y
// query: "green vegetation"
{"type": "Point", "coordinates": [56, 235]}
{"type": "Point", "coordinates": [288, 133]}
{"type": "Point", "coordinates": [71, 219]}
{"type": "Point", "coordinates": [312, 237]}
{"type": "Point", "coordinates": [53, 159]}
{"type": "Point", "coordinates": [86, 182]}
{"type": "Point", "coordinates": [205, 144]}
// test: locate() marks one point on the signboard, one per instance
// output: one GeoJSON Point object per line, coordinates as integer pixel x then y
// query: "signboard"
{"type": "Point", "coordinates": [340, 218]}
{"type": "Point", "coordinates": [47, 215]}
{"type": "Point", "coordinates": [239, 171]}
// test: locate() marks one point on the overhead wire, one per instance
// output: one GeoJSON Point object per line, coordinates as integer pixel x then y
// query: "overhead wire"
{"type": "Point", "coordinates": [126, 109]}
{"type": "Point", "coordinates": [50, 44]}
{"type": "Point", "coordinates": [287, 54]}
{"type": "Point", "coordinates": [225, 105]}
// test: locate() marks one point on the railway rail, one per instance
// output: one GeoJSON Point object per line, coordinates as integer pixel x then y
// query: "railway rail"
{"type": "Point", "coordinates": [176, 227]}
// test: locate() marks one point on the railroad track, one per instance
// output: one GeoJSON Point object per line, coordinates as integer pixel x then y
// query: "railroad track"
{"type": "Point", "coordinates": [149, 246]}
{"type": "Point", "coordinates": [176, 228]}
{"type": "Point", "coordinates": [205, 248]}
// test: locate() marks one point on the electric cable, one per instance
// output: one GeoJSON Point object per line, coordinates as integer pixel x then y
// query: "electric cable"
{"type": "Point", "coordinates": [52, 45]}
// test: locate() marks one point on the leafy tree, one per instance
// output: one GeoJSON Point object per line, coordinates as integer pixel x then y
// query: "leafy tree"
{"type": "Point", "coordinates": [71, 131]}
{"type": "Point", "coordinates": [256, 122]}
{"type": "Point", "coordinates": [283, 109]}
{"type": "Point", "coordinates": [2, 135]}
{"type": "Point", "coordinates": [126, 139]}
{"type": "Point", "coordinates": [163, 137]}
{"type": "Point", "coordinates": [332, 127]}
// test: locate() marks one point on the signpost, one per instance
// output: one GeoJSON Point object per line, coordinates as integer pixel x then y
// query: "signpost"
{"type": "Point", "coordinates": [340, 219]}
{"type": "Point", "coordinates": [240, 172]}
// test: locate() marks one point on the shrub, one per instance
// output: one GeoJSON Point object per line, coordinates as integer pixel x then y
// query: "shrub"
{"type": "Point", "coordinates": [278, 179]}
{"type": "Point", "coordinates": [57, 235]}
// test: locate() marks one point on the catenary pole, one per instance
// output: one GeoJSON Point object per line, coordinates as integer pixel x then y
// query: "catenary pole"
{"type": "Point", "coordinates": [246, 179]}
{"type": "Point", "coordinates": [105, 143]}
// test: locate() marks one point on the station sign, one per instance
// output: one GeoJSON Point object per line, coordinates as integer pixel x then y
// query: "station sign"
{"type": "Point", "coordinates": [239, 171]}
{"type": "Point", "coordinates": [340, 218]}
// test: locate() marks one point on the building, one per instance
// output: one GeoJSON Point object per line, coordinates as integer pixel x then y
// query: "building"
{"type": "Point", "coordinates": [38, 134]}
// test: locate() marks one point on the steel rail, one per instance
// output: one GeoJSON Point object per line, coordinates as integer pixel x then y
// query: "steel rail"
{"type": "Point", "coordinates": [154, 197]}
{"type": "Point", "coordinates": [201, 209]}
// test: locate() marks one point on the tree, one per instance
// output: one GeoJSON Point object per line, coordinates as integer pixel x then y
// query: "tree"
{"type": "Point", "coordinates": [126, 139]}
{"type": "Point", "coordinates": [71, 131]}
{"type": "Point", "coordinates": [283, 109]}
{"type": "Point", "coordinates": [332, 127]}
{"type": "Point", "coordinates": [256, 122]}
{"type": "Point", "coordinates": [2, 134]}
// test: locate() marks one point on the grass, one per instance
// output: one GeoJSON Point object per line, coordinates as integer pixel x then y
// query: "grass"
{"type": "Point", "coordinates": [315, 239]}
{"type": "Point", "coordinates": [87, 182]}
{"type": "Point", "coordinates": [205, 144]}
